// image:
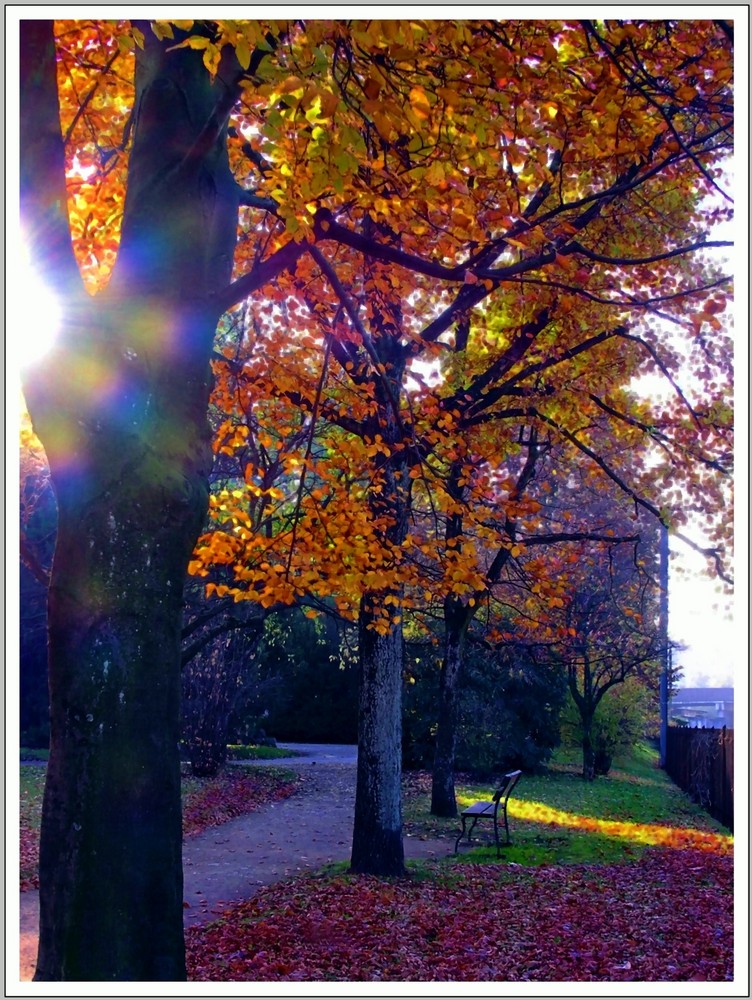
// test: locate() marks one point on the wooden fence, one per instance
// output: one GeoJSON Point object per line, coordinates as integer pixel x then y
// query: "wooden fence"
{"type": "Point", "coordinates": [701, 761]}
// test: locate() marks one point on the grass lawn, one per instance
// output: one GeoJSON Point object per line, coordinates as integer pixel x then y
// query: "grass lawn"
{"type": "Point", "coordinates": [31, 790]}
{"type": "Point", "coordinates": [557, 817]}
{"type": "Point", "coordinates": [252, 752]}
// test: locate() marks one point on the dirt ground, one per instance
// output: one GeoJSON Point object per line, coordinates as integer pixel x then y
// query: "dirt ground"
{"type": "Point", "coordinates": [229, 863]}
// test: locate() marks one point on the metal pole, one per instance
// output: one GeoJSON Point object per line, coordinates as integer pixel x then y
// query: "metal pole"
{"type": "Point", "coordinates": [666, 657]}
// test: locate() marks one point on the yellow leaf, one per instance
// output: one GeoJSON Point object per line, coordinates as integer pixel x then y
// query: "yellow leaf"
{"type": "Point", "coordinates": [243, 52]}
{"type": "Point", "coordinates": [419, 103]}
{"type": "Point", "coordinates": [162, 29]}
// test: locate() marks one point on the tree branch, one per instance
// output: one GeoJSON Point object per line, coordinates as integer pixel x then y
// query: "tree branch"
{"type": "Point", "coordinates": [32, 563]}
{"type": "Point", "coordinates": [254, 200]}
{"type": "Point", "coordinates": [577, 536]}
{"type": "Point", "coordinates": [578, 248]}
{"type": "Point", "coordinates": [261, 274]}
{"type": "Point", "coordinates": [44, 198]}
{"type": "Point", "coordinates": [473, 399]}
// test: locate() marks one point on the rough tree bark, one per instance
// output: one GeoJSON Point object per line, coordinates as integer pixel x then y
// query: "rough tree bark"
{"type": "Point", "coordinates": [121, 410]}
{"type": "Point", "coordinates": [377, 847]}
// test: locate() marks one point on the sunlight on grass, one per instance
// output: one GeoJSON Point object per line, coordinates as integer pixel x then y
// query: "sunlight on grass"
{"type": "Point", "coordinates": [557, 818]}
{"type": "Point", "coordinates": [642, 833]}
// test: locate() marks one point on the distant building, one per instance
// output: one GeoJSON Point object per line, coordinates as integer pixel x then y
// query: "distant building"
{"type": "Point", "coordinates": [712, 708]}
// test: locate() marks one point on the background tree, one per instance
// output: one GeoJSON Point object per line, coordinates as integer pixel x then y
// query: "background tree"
{"type": "Point", "coordinates": [609, 631]}
{"type": "Point", "coordinates": [508, 708]}
{"type": "Point", "coordinates": [219, 677]}
{"type": "Point", "coordinates": [626, 715]}
{"type": "Point", "coordinates": [308, 680]}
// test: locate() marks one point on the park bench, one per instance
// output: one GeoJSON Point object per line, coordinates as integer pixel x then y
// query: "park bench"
{"type": "Point", "coordinates": [494, 810]}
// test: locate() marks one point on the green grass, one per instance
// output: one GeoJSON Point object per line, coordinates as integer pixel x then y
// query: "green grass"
{"type": "Point", "coordinates": [239, 752]}
{"type": "Point", "coordinates": [27, 753]}
{"type": "Point", "coordinates": [31, 790]}
{"type": "Point", "coordinates": [634, 793]}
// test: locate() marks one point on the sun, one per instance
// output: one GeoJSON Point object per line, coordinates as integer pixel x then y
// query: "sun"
{"type": "Point", "coordinates": [37, 315]}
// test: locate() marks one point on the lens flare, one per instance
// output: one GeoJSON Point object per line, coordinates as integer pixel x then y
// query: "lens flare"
{"type": "Point", "coordinates": [39, 316]}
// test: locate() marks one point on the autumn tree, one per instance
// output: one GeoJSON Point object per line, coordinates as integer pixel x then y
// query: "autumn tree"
{"type": "Point", "coordinates": [580, 180]}
{"type": "Point", "coordinates": [492, 575]}
{"type": "Point", "coordinates": [406, 172]}
{"type": "Point", "coordinates": [610, 635]}
{"type": "Point", "coordinates": [120, 406]}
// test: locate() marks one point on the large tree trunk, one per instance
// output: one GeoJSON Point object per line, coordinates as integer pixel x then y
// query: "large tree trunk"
{"type": "Point", "coordinates": [121, 410]}
{"type": "Point", "coordinates": [377, 835]}
{"type": "Point", "coordinates": [110, 858]}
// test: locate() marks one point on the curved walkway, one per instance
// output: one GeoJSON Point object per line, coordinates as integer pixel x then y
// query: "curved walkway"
{"type": "Point", "coordinates": [230, 863]}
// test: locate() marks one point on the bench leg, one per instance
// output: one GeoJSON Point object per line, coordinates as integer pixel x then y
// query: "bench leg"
{"type": "Point", "coordinates": [496, 834]}
{"type": "Point", "coordinates": [462, 833]}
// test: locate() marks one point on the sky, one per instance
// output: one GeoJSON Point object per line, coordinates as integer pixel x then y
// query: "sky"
{"type": "Point", "coordinates": [701, 619]}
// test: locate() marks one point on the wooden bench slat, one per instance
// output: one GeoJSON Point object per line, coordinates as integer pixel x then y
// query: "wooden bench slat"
{"type": "Point", "coordinates": [478, 808]}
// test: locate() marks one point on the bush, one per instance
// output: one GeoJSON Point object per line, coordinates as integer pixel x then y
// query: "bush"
{"type": "Point", "coordinates": [621, 720]}
{"type": "Point", "coordinates": [307, 691]}
{"type": "Point", "coordinates": [508, 712]}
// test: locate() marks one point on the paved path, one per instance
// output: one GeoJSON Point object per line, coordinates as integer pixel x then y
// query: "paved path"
{"type": "Point", "coordinates": [229, 863]}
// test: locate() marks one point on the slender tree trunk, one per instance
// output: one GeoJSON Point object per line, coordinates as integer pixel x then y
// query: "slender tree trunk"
{"type": "Point", "coordinates": [121, 410]}
{"type": "Point", "coordinates": [377, 835]}
{"type": "Point", "coordinates": [588, 752]}
{"type": "Point", "coordinates": [443, 799]}
{"type": "Point", "coordinates": [457, 617]}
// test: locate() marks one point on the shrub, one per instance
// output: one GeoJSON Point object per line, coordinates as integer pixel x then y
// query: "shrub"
{"type": "Point", "coordinates": [620, 722]}
{"type": "Point", "coordinates": [508, 712]}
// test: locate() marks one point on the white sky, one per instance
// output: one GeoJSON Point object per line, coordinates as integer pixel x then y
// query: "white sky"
{"type": "Point", "coordinates": [701, 618]}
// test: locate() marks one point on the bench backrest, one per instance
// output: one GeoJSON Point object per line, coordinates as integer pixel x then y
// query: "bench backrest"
{"type": "Point", "coordinates": [507, 784]}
